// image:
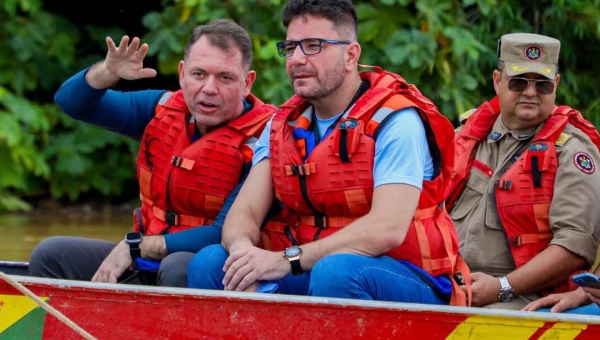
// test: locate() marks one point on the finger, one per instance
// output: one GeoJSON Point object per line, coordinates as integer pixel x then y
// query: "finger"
{"type": "Point", "coordinates": [238, 277]}
{"type": "Point", "coordinates": [232, 270]}
{"type": "Point", "coordinates": [594, 298]}
{"type": "Point", "coordinates": [464, 288]}
{"type": "Point", "coordinates": [537, 304]}
{"type": "Point", "coordinates": [148, 73]}
{"type": "Point", "coordinates": [252, 287]}
{"type": "Point", "coordinates": [248, 280]}
{"type": "Point", "coordinates": [561, 306]}
{"type": "Point", "coordinates": [141, 53]}
{"type": "Point", "coordinates": [133, 47]}
{"type": "Point", "coordinates": [111, 44]}
{"type": "Point", "coordinates": [233, 257]}
{"type": "Point", "coordinates": [101, 277]}
{"type": "Point", "coordinates": [123, 44]}
{"type": "Point", "coordinates": [112, 278]}
{"type": "Point", "coordinates": [95, 277]}
{"type": "Point", "coordinates": [231, 267]}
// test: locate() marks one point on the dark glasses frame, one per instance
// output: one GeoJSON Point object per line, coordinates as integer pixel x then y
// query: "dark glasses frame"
{"type": "Point", "coordinates": [541, 86]}
{"type": "Point", "coordinates": [282, 46]}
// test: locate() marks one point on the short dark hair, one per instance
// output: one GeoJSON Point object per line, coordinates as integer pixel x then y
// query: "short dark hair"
{"type": "Point", "coordinates": [340, 12]}
{"type": "Point", "coordinates": [224, 33]}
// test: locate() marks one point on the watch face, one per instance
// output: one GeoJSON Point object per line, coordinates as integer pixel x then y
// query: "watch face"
{"type": "Point", "coordinates": [135, 237]}
{"type": "Point", "coordinates": [507, 296]}
{"type": "Point", "coordinates": [292, 251]}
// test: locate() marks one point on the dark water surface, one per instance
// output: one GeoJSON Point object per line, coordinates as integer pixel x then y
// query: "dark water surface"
{"type": "Point", "coordinates": [19, 234]}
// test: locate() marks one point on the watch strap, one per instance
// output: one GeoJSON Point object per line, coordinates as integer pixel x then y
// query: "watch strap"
{"type": "Point", "coordinates": [504, 285]}
{"type": "Point", "coordinates": [507, 293]}
{"type": "Point", "coordinates": [135, 251]}
{"type": "Point", "coordinates": [296, 267]}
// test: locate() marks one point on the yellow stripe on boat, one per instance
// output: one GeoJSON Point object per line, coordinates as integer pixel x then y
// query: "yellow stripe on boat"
{"type": "Point", "coordinates": [563, 331]}
{"type": "Point", "coordinates": [493, 328]}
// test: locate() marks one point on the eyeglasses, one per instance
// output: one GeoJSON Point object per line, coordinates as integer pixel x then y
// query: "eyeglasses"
{"type": "Point", "coordinates": [308, 46]}
{"type": "Point", "coordinates": [542, 86]}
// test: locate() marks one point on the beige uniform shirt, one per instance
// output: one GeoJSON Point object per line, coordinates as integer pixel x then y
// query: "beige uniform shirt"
{"type": "Point", "coordinates": [574, 210]}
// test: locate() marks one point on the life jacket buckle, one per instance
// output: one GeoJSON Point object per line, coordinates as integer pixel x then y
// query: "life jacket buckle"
{"type": "Point", "coordinates": [321, 222]}
{"type": "Point", "coordinates": [172, 218]}
{"type": "Point", "coordinates": [176, 161]}
{"type": "Point", "coordinates": [504, 184]}
{"type": "Point", "coordinates": [516, 241]}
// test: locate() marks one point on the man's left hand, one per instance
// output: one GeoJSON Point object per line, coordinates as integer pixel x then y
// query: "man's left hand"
{"type": "Point", "coordinates": [115, 264]}
{"type": "Point", "coordinates": [485, 289]}
{"type": "Point", "coordinates": [249, 265]}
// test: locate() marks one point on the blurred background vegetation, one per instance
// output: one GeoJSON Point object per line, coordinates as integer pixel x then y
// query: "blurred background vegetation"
{"type": "Point", "coordinates": [446, 47]}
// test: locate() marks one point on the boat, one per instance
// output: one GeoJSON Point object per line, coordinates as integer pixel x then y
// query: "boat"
{"type": "Point", "coordinates": [119, 311]}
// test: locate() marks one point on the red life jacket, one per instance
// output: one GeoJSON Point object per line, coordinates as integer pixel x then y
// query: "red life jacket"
{"type": "Point", "coordinates": [280, 232]}
{"type": "Point", "coordinates": [334, 186]}
{"type": "Point", "coordinates": [184, 184]}
{"type": "Point", "coordinates": [524, 208]}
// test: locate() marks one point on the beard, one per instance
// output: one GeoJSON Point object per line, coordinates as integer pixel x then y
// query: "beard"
{"type": "Point", "coordinates": [329, 81]}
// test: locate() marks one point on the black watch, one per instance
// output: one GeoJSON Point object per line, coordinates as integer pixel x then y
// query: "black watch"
{"type": "Point", "coordinates": [292, 254]}
{"type": "Point", "coordinates": [134, 239]}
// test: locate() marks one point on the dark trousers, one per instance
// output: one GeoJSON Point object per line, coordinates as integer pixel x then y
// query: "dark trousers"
{"type": "Point", "coordinates": [76, 258]}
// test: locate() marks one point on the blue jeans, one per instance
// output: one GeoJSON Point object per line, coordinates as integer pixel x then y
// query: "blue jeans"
{"type": "Point", "coordinates": [337, 276]}
{"type": "Point", "coordinates": [591, 309]}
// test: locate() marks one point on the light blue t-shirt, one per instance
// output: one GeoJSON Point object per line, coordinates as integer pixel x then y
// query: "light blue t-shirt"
{"type": "Point", "coordinates": [401, 157]}
{"type": "Point", "coordinates": [401, 150]}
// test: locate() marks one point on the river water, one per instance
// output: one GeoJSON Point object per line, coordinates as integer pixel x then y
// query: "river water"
{"type": "Point", "coordinates": [21, 233]}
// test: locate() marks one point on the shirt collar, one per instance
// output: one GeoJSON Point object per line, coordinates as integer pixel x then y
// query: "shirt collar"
{"type": "Point", "coordinates": [499, 130]}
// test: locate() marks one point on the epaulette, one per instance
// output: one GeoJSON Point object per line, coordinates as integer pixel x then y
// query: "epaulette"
{"type": "Point", "coordinates": [562, 139]}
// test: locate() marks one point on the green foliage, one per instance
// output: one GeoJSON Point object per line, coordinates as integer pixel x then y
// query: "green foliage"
{"type": "Point", "coordinates": [42, 150]}
{"type": "Point", "coordinates": [445, 47]}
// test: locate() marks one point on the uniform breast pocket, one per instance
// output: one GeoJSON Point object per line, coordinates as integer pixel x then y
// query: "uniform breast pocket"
{"type": "Point", "coordinates": [471, 196]}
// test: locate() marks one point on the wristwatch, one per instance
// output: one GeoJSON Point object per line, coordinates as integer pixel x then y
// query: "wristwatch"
{"type": "Point", "coordinates": [134, 239]}
{"type": "Point", "coordinates": [292, 254]}
{"type": "Point", "coordinates": [507, 293]}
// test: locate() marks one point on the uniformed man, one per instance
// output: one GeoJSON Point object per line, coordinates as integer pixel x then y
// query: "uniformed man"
{"type": "Point", "coordinates": [526, 205]}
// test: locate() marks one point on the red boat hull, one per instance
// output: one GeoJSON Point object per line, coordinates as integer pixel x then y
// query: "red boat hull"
{"type": "Point", "coordinates": [110, 311]}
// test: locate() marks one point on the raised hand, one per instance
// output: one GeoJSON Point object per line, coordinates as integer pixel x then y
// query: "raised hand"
{"type": "Point", "coordinates": [127, 60]}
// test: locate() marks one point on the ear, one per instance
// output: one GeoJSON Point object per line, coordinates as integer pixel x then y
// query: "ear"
{"type": "Point", "coordinates": [352, 56]}
{"type": "Point", "coordinates": [556, 81]}
{"type": "Point", "coordinates": [181, 72]}
{"type": "Point", "coordinates": [497, 77]}
{"type": "Point", "coordinates": [250, 78]}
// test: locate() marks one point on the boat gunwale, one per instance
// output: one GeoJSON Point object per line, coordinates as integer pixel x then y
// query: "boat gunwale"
{"type": "Point", "coordinates": [309, 300]}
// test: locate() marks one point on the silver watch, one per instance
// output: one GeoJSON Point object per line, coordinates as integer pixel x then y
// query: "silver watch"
{"type": "Point", "coordinates": [507, 293]}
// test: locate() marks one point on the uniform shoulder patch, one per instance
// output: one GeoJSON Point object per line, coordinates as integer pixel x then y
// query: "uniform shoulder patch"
{"type": "Point", "coordinates": [562, 139]}
{"type": "Point", "coordinates": [584, 162]}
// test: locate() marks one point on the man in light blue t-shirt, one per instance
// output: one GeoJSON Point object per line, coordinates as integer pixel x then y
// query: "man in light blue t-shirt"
{"type": "Point", "coordinates": [352, 174]}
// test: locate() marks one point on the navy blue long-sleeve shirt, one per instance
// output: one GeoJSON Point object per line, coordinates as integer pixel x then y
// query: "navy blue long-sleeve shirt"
{"type": "Point", "coordinates": [128, 113]}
